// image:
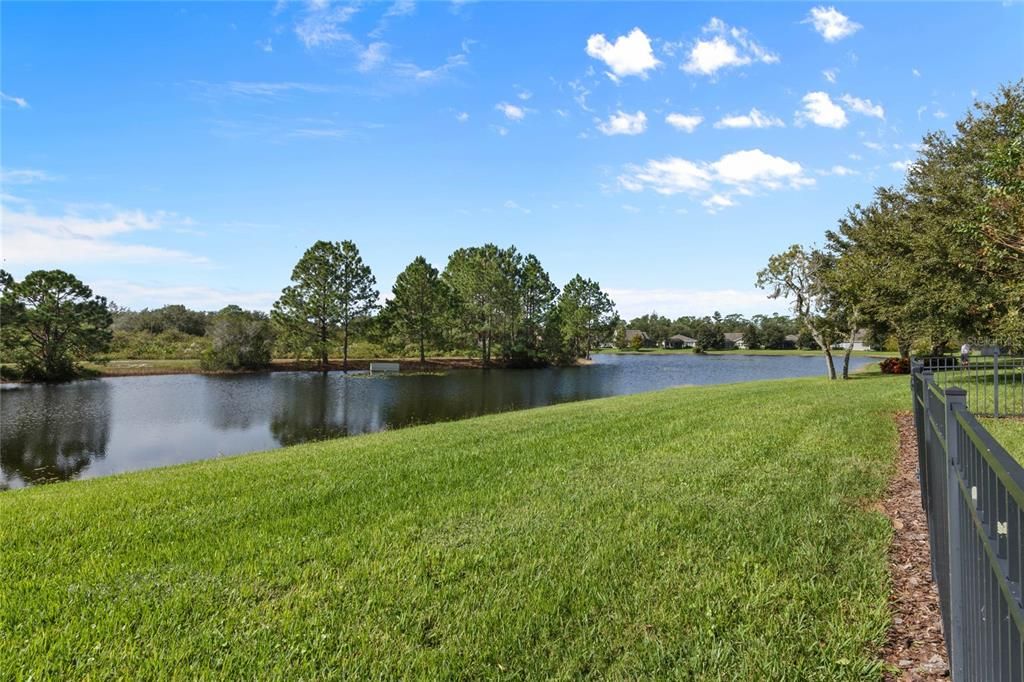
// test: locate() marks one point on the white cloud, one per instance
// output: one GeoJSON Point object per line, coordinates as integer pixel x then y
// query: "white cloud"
{"type": "Point", "coordinates": [20, 102]}
{"type": "Point", "coordinates": [820, 110]}
{"type": "Point", "coordinates": [901, 165]}
{"type": "Point", "coordinates": [264, 89]}
{"type": "Point", "coordinates": [675, 302]}
{"type": "Point", "coordinates": [401, 8]}
{"type": "Point", "coordinates": [462, 116]}
{"type": "Point", "coordinates": [24, 176]}
{"type": "Point", "coordinates": [513, 206]}
{"type": "Point", "coordinates": [729, 47]}
{"type": "Point", "coordinates": [832, 24]}
{"type": "Point", "coordinates": [322, 25]}
{"type": "Point", "coordinates": [875, 146]}
{"type": "Point", "coordinates": [755, 119]}
{"type": "Point", "coordinates": [739, 173]}
{"type": "Point", "coordinates": [501, 130]}
{"type": "Point", "coordinates": [79, 236]}
{"type": "Point", "coordinates": [841, 171]}
{"type": "Point", "coordinates": [753, 166]}
{"type": "Point", "coordinates": [511, 111]}
{"type": "Point", "coordinates": [629, 55]}
{"type": "Point", "coordinates": [421, 75]}
{"type": "Point", "coordinates": [622, 123]}
{"type": "Point", "coordinates": [580, 94]}
{"type": "Point", "coordinates": [524, 95]}
{"type": "Point", "coordinates": [915, 73]}
{"type": "Point", "coordinates": [863, 106]}
{"type": "Point", "coordinates": [717, 202]}
{"type": "Point", "coordinates": [198, 297]}
{"type": "Point", "coordinates": [671, 175]}
{"type": "Point", "coordinates": [830, 75]}
{"type": "Point", "coordinates": [683, 122]}
{"type": "Point", "coordinates": [266, 45]}
{"type": "Point", "coordinates": [939, 113]}
{"type": "Point", "coordinates": [372, 56]}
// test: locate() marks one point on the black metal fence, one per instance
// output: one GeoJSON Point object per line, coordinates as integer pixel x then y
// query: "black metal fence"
{"type": "Point", "coordinates": [973, 495]}
{"type": "Point", "coordinates": [994, 383]}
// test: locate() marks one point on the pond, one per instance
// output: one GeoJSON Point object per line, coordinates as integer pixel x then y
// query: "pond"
{"type": "Point", "coordinates": [104, 426]}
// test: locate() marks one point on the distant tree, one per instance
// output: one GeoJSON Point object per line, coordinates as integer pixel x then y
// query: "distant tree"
{"type": "Point", "coordinates": [796, 275]}
{"type": "Point", "coordinates": [333, 291]}
{"type": "Point", "coordinates": [357, 294]}
{"type": "Point", "coordinates": [50, 322]}
{"type": "Point", "coordinates": [416, 312]}
{"type": "Point", "coordinates": [588, 316]}
{"type": "Point", "coordinates": [483, 281]}
{"type": "Point", "coordinates": [752, 338]}
{"type": "Point", "coordinates": [308, 313]}
{"type": "Point", "coordinates": [537, 296]}
{"type": "Point", "coordinates": [240, 339]}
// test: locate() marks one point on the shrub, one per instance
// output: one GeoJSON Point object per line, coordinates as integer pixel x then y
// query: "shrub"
{"type": "Point", "coordinates": [239, 340]}
{"type": "Point", "coordinates": [895, 366]}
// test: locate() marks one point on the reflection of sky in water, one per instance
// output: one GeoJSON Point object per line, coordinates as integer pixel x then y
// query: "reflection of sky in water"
{"type": "Point", "coordinates": [98, 427]}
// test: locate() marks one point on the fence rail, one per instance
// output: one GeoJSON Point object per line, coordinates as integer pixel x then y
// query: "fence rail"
{"type": "Point", "coordinates": [994, 384]}
{"type": "Point", "coordinates": [972, 491]}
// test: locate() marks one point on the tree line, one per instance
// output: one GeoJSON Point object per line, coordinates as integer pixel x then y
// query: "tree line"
{"type": "Point", "coordinates": [491, 301]}
{"type": "Point", "coordinates": [773, 332]}
{"type": "Point", "coordinates": [932, 263]}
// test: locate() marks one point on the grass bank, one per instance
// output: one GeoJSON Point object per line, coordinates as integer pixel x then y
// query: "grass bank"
{"type": "Point", "coordinates": [720, 532]}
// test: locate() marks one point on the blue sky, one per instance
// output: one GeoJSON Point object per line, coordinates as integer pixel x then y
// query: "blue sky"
{"type": "Point", "coordinates": [190, 152]}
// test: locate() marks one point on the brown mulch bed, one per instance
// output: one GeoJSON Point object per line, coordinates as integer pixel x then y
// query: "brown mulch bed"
{"type": "Point", "coordinates": [914, 648]}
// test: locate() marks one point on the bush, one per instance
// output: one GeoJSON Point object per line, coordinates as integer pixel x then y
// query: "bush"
{"type": "Point", "coordinates": [895, 366]}
{"type": "Point", "coordinates": [239, 340]}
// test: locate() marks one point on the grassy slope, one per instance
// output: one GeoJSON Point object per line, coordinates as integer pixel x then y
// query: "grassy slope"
{"type": "Point", "coordinates": [719, 532]}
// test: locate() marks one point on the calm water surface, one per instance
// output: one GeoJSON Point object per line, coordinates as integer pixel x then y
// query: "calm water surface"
{"type": "Point", "coordinates": [103, 426]}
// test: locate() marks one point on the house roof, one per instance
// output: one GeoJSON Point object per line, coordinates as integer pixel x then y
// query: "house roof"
{"type": "Point", "coordinates": [733, 336]}
{"type": "Point", "coordinates": [681, 337]}
{"type": "Point", "coordinates": [792, 337]}
{"type": "Point", "coordinates": [634, 333]}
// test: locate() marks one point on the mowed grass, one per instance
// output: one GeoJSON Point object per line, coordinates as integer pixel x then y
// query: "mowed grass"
{"type": "Point", "coordinates": [720, 532]}
{"type": "Point", "coordinates": [1009, 431]}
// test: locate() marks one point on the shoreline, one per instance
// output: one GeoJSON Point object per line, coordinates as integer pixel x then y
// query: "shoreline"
{"type": "Point", "coordinates": [141, 368]}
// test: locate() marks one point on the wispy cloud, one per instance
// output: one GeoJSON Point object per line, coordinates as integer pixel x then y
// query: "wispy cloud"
{"type": "Point", "coordinates": [86, 235]}
{"type": "Point", "coordinates": [19, 102]}
{"type": "Point", "coordinates": [323, 25]}
{"type": "Point", "coordinates": [197, 296]}
{"type": "Point", "coordinates": [24, 176]}
{"type": "Point", "coordinates": [512, 112]}
{"type": "Point", "coordinates": [863, 106]}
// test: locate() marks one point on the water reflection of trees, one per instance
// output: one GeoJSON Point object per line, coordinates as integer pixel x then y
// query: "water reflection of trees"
{"type": "Point", "coordinates": [53, 433]}
{"type": "Point", "coordinates": [315, 406]}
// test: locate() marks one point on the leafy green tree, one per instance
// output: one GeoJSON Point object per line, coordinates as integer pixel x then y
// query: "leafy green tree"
{"type": "Point", "coordinates": [333, 291]}
{"type": "Point", "coordinates": [240, 339]}
{"type": "Point", "coordinates": [587, 314]}
{"type": "Point", "coordinates": [485, 300]}
{"type": "Point", "coordinates": [51, 321]}
{"type": "Point", "coordinates": [537, 296]}
{"type": "Point", "coordinates": [796, 275]}
{"type": "Point", "coordinates": [416, 312]}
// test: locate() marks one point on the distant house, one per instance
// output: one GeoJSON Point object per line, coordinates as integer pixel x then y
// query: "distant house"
{"type": "Point", "coordinates": [792, 340]}
{"type": "Point", "coordinates": [860, 341]}
{"type": "Point", "coordinates": [735, 340]}
{"type": "Point", "coordinates": [645, 340]}
{"type": "Point", "coordinates": [680, 341]}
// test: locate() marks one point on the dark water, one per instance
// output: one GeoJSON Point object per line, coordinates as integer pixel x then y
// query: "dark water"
{"type": "Point", "coordinates": [103, 426]}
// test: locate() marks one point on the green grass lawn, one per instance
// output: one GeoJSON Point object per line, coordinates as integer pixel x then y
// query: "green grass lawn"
{"type": "Point", "coordinates": [720, 532]}
{"type": "Point", "coordinates": [1009, 431]}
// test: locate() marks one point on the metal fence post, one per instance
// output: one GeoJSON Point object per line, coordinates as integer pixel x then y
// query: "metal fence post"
{"type": "Point", "coordinates": [956, 399]}
{"type": "Point", "coordinates": [995, 382]}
